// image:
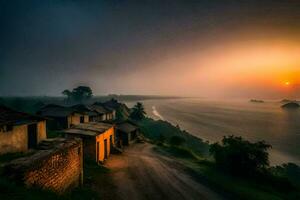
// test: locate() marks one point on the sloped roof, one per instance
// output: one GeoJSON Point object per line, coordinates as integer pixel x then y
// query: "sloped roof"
{"type": "Point", "coordinates": [112, 104]}
{"type": "Point", "coordinates": [84, 110]}
{"type": "Point", "coordinates": [75, 131]}
{"type": "Point", "coordinates": [12, 117]}
{"type": "Point", "coordinates": [126, 127]}
{"type": "Point", "coordinates": [97, 107]}
{"type": "Point", "coordinates": [89, 129]}
{"type": "Point", "coordinates": [52, 110]}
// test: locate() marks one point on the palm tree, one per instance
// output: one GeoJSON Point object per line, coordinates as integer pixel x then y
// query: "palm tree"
{"type": "Point", "coordinates": [138, 111]}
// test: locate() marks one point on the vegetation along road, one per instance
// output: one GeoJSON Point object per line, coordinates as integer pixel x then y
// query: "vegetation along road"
{"type": "Point", "coordinates": [141, 173]}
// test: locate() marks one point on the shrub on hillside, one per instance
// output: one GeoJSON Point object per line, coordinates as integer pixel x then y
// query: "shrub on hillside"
{"type": "Point", "coordinates": [239, 156]}
{"type": "Point", "coordinates": [177, 140]}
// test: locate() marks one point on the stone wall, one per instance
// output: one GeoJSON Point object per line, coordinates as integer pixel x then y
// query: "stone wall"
{"type": "Point", "coordinates": [57, 167]}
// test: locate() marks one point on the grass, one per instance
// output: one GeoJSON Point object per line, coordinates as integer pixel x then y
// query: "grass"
{"type": "Point", "coordinates": [205, 171]}
{"type": "Point", "coordinates": [162, 131]}
{"type": "Point", "coordinates": [193, 154]}
{"type": "Point", "coordinates": [98, 180]}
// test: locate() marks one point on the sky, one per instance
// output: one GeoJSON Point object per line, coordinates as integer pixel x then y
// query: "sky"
{"type": "Point", "coordinates": [205, 48]}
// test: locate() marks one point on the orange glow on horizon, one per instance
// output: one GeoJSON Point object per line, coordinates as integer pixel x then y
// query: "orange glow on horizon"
{"type": "Point", "coordinates": [270, 68]}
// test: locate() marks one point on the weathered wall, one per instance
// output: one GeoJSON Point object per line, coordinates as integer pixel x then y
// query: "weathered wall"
{"type": "Point", "coordinates": [107, 116]}
{"type": "Point", "coordinates": [14, 141]}
{"type": "Point", "coordinates": [100, 138]}
{"type": "Point", "coordinates": [75, 119]}
{"type": "Point", "coordinates": [89, 147]}
{"type": "Point", "coordinates": [41, 129]}
{"type": "Point", "coordinates": [86, 119]}
{"type": "Point", "coordinates": [17, 139]}
{"type": "Point", "coordinates": [114, 114]}
{"type": "Point", "coordinates": [58, 169]}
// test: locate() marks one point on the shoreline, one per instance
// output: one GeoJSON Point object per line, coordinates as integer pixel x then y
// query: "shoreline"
{"type": "Point", "coordinates": [276, 156]}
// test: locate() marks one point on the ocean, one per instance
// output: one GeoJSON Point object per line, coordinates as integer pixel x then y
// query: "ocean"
{"type": "Point", "coordinates": [213, 119]}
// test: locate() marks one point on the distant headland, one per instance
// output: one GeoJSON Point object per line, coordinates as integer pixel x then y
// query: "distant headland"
{"type": "Point", "coordinates": [256, 101]}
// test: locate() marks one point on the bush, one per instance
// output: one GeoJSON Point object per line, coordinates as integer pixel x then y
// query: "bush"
{"type": "Point", "coordinates": [239, 156]}
{"type": "Point", "coordinates": [177, 140]}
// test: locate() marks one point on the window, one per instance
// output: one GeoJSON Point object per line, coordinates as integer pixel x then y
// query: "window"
{"type": "Point", "coordinates": [6, 128]}
{"type": "Point", "coordinates": [9, 127]}
{"type": "Point", "coordinates": [81, 119]}
{"type": "Point", "coordinates": [79, 150]}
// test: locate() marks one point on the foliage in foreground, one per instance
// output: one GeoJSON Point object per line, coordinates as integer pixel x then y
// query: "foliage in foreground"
{"type": "Point", "coordinates": [277, 184]}
{"type": "Point", "coordinates": [241, 157]}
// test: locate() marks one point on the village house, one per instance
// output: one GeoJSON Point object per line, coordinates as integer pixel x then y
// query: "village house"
{"type": "Point", "coordinates": [126, 133]}
{"type": "Point", "coordinates": [93, 115]}
{"type": "Point", "coordinates": [60, 117]}
{"type": "Point", "coordinates": [56, 165]}
{"type": "Point", "coordinates": [122, 112]}
{"type": "Point", "coordinates": [105, 114]}
{"type": "Point", "coordinates": [20, 131]}
{"type": "Point", "coordinates": [98, 139]}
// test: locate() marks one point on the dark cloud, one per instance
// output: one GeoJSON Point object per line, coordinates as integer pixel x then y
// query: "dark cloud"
{"type": "Point", "coordinates": [46, 46]}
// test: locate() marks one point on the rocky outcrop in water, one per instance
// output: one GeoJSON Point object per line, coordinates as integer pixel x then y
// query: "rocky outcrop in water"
{"type": "Point", "coordinates": [291, 105]}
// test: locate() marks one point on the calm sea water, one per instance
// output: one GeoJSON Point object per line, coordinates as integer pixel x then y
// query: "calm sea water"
{"type": "Point", "coordinates": [211, 120]}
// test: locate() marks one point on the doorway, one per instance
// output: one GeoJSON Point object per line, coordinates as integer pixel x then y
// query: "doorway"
{"type": "Point", "coordinates": [97, 151]}
{"type": "Point", "coordinates": [81, 119]}
{"type": "Point", "coordinates": [32, 136]}
{"type": "Point", "coordinates": [105, 149]}
{"type": "Point", "coordinates": [110, 142]}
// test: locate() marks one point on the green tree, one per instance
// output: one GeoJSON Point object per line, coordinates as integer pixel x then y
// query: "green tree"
{"type": "Point", "coordinates": [177, 140]}
{"type": "Point", "coordinates": [79, 94]}
{"type": "Point", "coordinates": [138, 112]}
{"type": "Point", "coordinates": [82, 93]}
{"type": "Point", "coordinates": [241, 157]}
{"type": "Point", "coordinates": [68, 94]}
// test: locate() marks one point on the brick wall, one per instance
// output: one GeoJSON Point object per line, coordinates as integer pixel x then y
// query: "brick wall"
{"type": "Point", "coordinates": [59, 168]}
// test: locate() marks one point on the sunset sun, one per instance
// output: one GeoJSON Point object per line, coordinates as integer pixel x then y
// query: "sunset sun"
{"type": "Point", "coordinates": [149, 99]}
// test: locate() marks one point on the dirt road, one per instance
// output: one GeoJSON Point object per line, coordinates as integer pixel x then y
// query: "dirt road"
{"type": "Point", "coordinates": [141, 173]}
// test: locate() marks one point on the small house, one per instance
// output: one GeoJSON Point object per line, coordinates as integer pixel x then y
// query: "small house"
{"type": "Point", "coordinates": [104, 113]}
{"type": "Point", "coordinates": [92, 115]}
{"type": "Point", "coordinates": [121, 111]}
{"type": "Point", "coordinates": [60, 117]}
{"type": "Point", "coordinates": [126, 133]}
{"type": "Point", "coordinates": [20, 131]}
{"type": "Point", "coordinates": [97, 137]}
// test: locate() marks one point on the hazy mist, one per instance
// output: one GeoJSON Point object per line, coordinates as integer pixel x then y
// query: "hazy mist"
{"type": "Point", "coordinates": [190, 48]}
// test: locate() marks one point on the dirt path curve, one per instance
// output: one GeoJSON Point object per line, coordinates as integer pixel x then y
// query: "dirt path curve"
{"type": "Point", "coordinates": [141, 173]}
